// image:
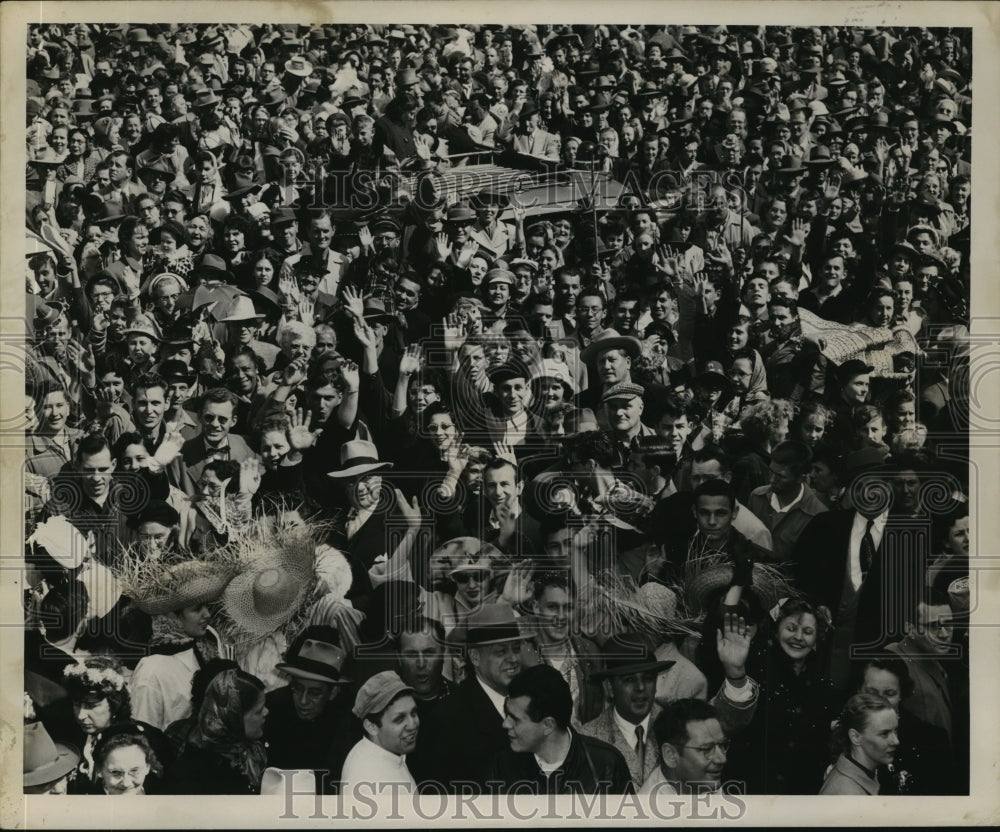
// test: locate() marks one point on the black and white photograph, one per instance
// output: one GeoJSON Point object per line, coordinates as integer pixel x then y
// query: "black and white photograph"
{"type": "Point", "coordinates": [590, 414]}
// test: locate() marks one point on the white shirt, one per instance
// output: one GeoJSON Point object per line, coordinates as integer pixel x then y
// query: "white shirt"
{"type": "Point", "coordinates": [371, 765]}
{"type": "Point", "coordinates": [628, 728]}
{"type": "Point", "coordinates": [548, 768]}
{"type": "Point", "coordinates": [515, 429]}
{"type": "Point", "coordinates": [777, 506]}
{"type": "Point", "coordinates": [161, 688]}
{"type": "Point", "coordinates": [496, 698]}
{"type": "Point", "coordinates": [857, 532]}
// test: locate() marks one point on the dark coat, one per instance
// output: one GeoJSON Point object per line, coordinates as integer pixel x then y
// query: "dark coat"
{"type": "Point", "coordinates": [591, 767]}
{"type": "Point", "coordinates": [321, 745]}
{"type": "Point", "coordinates": [470, 734]}
{"type": "Point", "coordinates": [200, 771]}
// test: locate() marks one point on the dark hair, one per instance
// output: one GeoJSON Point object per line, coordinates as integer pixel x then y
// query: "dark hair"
{"type": "Point", "coordinates": [671, 726]}
{"type": "Point", "coordinates": [544, 580]}
{"type": "Point", "coordinates": [219, 395]}
{"type": "Point", "coordinates": [91, 444]}
{"type": "Point", "coordinates": [80, 688]}
{"type": "Point", "coordinates": [548, 692]}
{"type": "Point", "coordinates": [800, 606]}
{"type": "Point", "coordinates": [147, 381]}
{"type": "Point", "coordinates": [63, 609]}
{"type": "Point", "coordinates": [126, 440]}
{"type": "Point", "coordinates": [591, 445]}
{"type": "Point", "coordinates": [501, 462]}
{"type": "Point", "coordinates": [225, 469]}
{"type": "Point", "coordinates": [124, 739]}
{"type": "Point", "coordinates": [890, 664]}
{"type": "Point", "coordinates": [713, 453]}
{"type": "Point", "coordinates": [417, 623]}
{"type": "Point", "coordinates": [203, 678]}
{"type": "Point", "coordinates": [716, 488]}
{"type": "Point", "coordinates": [435, 409]}
{"type": "Point", "coordinates": [796, 455]}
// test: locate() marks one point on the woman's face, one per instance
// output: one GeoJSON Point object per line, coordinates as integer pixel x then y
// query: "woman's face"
{"type": "Point", "coordinates": [93, 716]}
{"type": "Point", "coordinates": [274, 447]}
{"type": "Point", "coordinates": [797, 635]}
{"type": "Point", "coordinates": [470, 587]}
{"type": "Point", "coordinates": [738, 337]}
{"type": "Point", "coordinates": [442, 430]}
{"type": "Point", "coordinates": [874, 430]}
{"type": "Point", "coordinates": [477, 270]}
{"type": "Point", "coordinates": [883, 683]}
{"type": "Point", "coordinates": [168, 245]}
{"type": "Point", "coordinates": [133, 457]}
{"type": "Point", "coordinates": [55, 411]}
{"type": "Point", "coordinates": [194, 620]}
{"type": "Point", "coordinates": [124, 770]}
{"type": "Point", "coordinates": [59, 140]}
{"type": "Point", "coordinates": [253, 720]}
{"type": "Point", "coordinates": [876, 744]}
{"type": "Point", "coordinates": [740, 374]}
{"type": "Point", "coordinates": [497, 353]}
{"type": "Point", "coordinates": [198, 233]}
{"type": "Point", "coordinates": [812, 428]}
{"type": "Point", "coordinates": [958, 537]}
{"type": "Point", "coordinates": [420, 395]}
{"type": "Point", "coordinates": [553, 393]}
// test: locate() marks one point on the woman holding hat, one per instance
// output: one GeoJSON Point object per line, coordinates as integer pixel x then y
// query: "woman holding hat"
{"type": "Point", "coordinates": [225, 751]}
{"type": "Point", "coordinates": [177, 597]}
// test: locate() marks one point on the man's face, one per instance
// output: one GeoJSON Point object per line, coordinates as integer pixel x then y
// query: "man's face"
{"type": "Point", "coordinates": [325, 399]}
{"type": "Point", "coordinates": [554, 609]}
{"type": "Point", "coordinates": [524, 735]}
{"type": "Point", "coordinates": [497, 664]}
{"type": "Point", "coordinates": [310, 697]}
{"type": "Point", "coordinates": [624, 413]}
{"type": "Point", "coordinates": [421, 662]}
{"type": "Point", "coordinates": [407, 294]}
{"type": "Point", "coordinates": [756, 291]}
{"type": "Point", "coordinates": [140, 348]}
{"type": "Point", "coordinates": [167, 293]}
{"type": "Point", "coordinates": [934, 629]}
{"type": "Point", "coordinates": [923, 243]}
{"type": "Point", "coordinates": [632, 695]}
{"type": "Point", "coordinates": [286, 234]}
{"type": "Point", "coordinates": [702, 758]}
{"type": "Point", "coordinates": [118, 169]}
{"type": "Point", "coordinates": [500, 486]}
{"type": "Point", "coordinates": [882, 683]}
{"type": "Point", "coordinates": [675, 429]}
{"type": "Point", "coordinates": [783, 480]}
{"type": "Point", "coordinates": [907, 490]}
{"type": "Point", "coordinates": [833, 272]}
{"type": "Point", "coordinates": [705, 471]}
{"type": "Point", "coordinates": [514, 394]}
{"type": "Point", "coordinates": [217, 419]}
{"type": "Point", "coordinates": [96, 470]}
{"type": "Point", "coordinates": [398, 731]}
{"type": "Point", "coordinates": [613, 366]}
{"type": "Point", "coordinates": [625, 315]}
{"type": "Point", "coordinates": [714, 516]}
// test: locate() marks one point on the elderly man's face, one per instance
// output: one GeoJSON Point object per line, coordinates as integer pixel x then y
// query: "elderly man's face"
{"type": "Point", "coordinates": [497, 664]}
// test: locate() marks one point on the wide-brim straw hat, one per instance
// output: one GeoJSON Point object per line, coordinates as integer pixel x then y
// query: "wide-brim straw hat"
{"type": "Point", "coordinates": [266, 596]}
{"type": "Point", "coordinates": [179, 585]}
{"type": "Point", "coordinates": [712, 573]}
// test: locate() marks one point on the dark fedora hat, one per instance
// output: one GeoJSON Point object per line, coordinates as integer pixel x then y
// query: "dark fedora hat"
{"type": "Point", "coordinates": [628, 653]}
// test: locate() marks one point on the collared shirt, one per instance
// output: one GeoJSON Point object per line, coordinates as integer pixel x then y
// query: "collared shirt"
{"type": "Point", "coordinates": [161, 688]}
{"type": "Point", "coordinates": [496, 698]}
{"type": "Point", "coordinates": [777, 506]}
{"type": "Point", "coordinates": [369, 763]}
{"type": "Point", "coordinates": [515, 428]}
{"type": "Point", "coordinates": [628, 728]}
{"type": "Point", "coordinates": [858, 532]}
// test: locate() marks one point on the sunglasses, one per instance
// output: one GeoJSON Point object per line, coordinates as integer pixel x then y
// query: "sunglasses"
{"type": "Point", "coordinates": [464, 577]}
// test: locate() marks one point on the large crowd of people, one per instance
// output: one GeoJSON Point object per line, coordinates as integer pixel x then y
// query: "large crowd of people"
{"type": "Point", "coordinates": [643, 469]}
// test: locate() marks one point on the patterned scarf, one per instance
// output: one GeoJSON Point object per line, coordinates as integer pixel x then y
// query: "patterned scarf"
{"type": "Point", "coordinates": [220, 729]}
{"type": "Point", "coordinates": [169, 639]}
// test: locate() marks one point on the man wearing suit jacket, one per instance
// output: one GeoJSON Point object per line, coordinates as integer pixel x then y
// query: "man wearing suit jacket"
{"type": "Point", "coordinates": [859, 562]}
{"type": "Point", "coordinates": [530, 139]}
{"type": "Point", "coordinates": [216, 441]}
{"type": "Point", "coordinates": [469, 722]}
{"type": "Point", "coordinates": [629, 675]}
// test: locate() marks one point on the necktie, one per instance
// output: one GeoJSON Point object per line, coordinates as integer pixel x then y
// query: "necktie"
{"type": "Point", "coordinates": [867, 550]}
{"type": "Point", "coordinates": [640, 751]}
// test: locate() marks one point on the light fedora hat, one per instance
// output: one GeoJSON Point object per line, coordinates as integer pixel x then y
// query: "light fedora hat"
{"type": "Point", "coordinates": [46, 761]}
{"type": "Point", "coordinates": [358, 457]}
{"type": "Point", "coordinates": [241, 310]}
{"type": "Point", "coordinates": [318, 661]}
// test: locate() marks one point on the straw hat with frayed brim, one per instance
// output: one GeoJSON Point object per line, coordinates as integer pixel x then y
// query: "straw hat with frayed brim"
{"type": "Point", "coordinates": [180, 585]}
{"type": "Point", "coordinates": [708, 575]}
{"type": "Point", "coordinates": [268, 594]}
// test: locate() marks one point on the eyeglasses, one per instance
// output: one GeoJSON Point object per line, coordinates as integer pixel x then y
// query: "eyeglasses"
{"type": "Point", "coordinates": [706, 750]}
{"type": "Point", "coordinates": [307, 694]}
{"type": "Point", "coordinates": [465, 577]}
